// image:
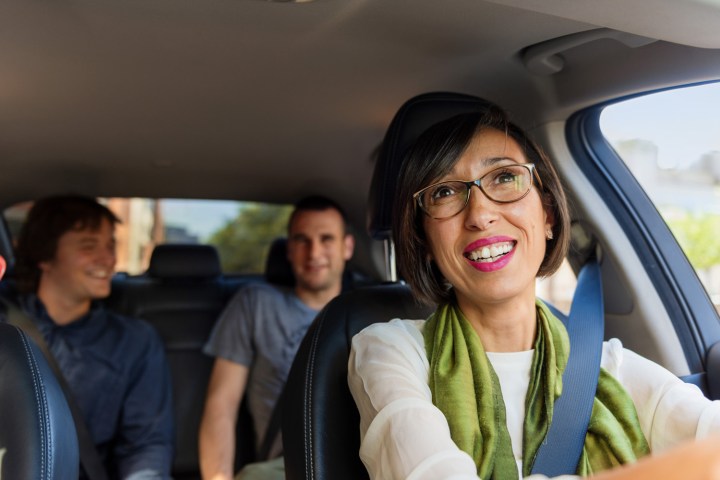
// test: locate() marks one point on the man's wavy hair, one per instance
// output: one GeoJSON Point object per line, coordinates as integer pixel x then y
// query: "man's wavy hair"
{"type": "Point", "coordinates": [48, 219]}
{"type": "Point", "coordinates": [433, 156]}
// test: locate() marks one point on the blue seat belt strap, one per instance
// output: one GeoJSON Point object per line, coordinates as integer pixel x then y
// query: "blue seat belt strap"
{"type": "Point", "coordinates": [560, 452]}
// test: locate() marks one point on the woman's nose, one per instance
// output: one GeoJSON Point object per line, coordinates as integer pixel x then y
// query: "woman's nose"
{"type": "Point", "coordinates": [480, 212]}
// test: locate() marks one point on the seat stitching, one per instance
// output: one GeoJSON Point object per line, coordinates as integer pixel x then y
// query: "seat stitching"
{"type": "Point", "coordinates": [42, 410]}
{"type": "Point", "coordinates": [307, 411]}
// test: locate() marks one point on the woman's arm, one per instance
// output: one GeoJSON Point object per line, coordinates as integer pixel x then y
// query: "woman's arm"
{"type": "Point", "coordinates": [671, 411]}
{"type": "Point", "coordinates": [403, 434]}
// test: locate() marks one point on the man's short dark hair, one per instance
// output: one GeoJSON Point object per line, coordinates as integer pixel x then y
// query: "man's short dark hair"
{"type": "Point", "coordinates": [48, 219]}
{"type": "Point", "coordinates": [317, 203]}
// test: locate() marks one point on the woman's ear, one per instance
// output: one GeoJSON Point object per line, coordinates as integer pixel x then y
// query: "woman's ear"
{"type": "Point", "coordinates": [548, 204]}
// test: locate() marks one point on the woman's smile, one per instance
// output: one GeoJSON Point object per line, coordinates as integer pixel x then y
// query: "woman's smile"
{"type": "Point", "coordinates": [490, 254]}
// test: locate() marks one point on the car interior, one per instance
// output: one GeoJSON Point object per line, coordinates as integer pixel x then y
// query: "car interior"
{"type": "Point", "coordinates": [269, 101]}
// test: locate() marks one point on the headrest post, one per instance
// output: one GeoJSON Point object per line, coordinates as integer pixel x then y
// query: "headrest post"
{"type": "Point", "coordinates": [390, 266]}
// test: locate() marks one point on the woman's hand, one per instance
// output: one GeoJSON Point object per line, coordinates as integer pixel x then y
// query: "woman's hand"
{"type": "Point", "coordinates": [698, 460]}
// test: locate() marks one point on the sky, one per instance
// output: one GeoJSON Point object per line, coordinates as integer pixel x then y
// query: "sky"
{"type": "Point", "coordinates": [200, 217]}
{"type": "Point", "coordinates": [684, 123]}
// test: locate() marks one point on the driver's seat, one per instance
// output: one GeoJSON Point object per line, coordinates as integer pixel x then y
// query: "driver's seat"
{"type": "Point", "coordinates": [320, 424]}
{"type": "Point", "coordinates": [37, 432]}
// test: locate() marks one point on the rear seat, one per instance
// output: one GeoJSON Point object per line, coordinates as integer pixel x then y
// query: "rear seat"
{"type": "Point", "coordinates": [181, 295]}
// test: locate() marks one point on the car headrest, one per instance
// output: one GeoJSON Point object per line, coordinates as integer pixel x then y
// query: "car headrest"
{"type": "Point", "coordinates": [277, 265]}
{"type": "Point", "coordinates": [175, 261]}
{"type": "Point", "coordinates": [414, 117]}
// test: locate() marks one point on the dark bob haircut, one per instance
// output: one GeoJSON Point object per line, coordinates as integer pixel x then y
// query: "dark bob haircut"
{"type": "Point", "coordinates": [433, 156]}
{"type": "Point", "coordinates": [48, 219]}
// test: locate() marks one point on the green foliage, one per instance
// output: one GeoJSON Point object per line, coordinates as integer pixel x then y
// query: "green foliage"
{"type": "Point", "coordinates": [699, 236]}
{"type": "Point", "coordinates": [243, 242]}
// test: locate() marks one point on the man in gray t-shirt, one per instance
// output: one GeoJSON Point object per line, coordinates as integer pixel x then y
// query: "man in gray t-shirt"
{"type": "Point", "coordinates": [262, 327]}
{"type": "Point", "coordinates": [258, 334]}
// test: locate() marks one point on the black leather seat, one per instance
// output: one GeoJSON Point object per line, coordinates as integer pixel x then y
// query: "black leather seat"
{"type": "Point", "coordinates": [37, 433]}
{"type": "Point", "coordinates": [321, 436]}
{"type": "Point", "coordinates": [182, 295]}
{"type": "Point", "coordinates": [277, 266]}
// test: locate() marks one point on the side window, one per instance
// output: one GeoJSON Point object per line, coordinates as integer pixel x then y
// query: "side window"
{"type": "Point", "coordinates": [241, 231]}
{"type": "Point", "coordinates": [670, 141]}
{"type": "Point", "coordinates": [558, 288]}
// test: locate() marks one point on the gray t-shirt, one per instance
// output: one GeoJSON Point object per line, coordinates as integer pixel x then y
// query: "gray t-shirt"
{"type": "Point", "coordinates": [261, 328]}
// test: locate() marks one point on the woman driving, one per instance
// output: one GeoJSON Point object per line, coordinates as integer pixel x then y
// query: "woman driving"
{"type": "Point", "coordinates": [480, 214]}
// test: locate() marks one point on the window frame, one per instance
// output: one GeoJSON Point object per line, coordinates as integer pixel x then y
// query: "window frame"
{"type": "Point", "coordinates": [691, 311]}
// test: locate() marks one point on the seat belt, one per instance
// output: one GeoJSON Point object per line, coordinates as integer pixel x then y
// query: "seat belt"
{"type": "Point", "coordinates": [560, 452]}
{"type": "Point", "coordinates": [272, 431]}
{"type": "Point", "coordinates": [89, 456]}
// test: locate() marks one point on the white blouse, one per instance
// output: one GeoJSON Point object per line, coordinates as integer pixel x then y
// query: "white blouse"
{"type": "Point", "coordinates": [404, 436]}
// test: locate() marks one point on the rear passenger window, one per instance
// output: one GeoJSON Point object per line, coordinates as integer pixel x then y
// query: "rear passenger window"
{"type": "Point", "coordinates": [241, 231]}
{"type": "Point", "coordinates": [670, 141]}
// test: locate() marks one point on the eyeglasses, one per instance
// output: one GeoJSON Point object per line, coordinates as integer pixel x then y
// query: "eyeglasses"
{"type": "Point", "coordinates": [505, 184]}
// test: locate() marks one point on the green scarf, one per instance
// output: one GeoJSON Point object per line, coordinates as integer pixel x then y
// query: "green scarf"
{"type": "Point", "coordinates": [466, 389]}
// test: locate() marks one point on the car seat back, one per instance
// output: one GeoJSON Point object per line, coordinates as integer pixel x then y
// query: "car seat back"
{"type": "Point", "coordinates": [182, 295]}
{"type": "Point", "coordinates": [320, 422]}
{"type": "Point", "coordinates": [37, 433]}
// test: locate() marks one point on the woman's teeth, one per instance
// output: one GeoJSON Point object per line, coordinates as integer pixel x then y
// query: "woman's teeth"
{"type": "Point", "coordinates": [490, 253]}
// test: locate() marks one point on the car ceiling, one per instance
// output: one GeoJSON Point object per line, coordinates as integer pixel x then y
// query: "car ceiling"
{"type": "Point", "coordinates": [262, 100]}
